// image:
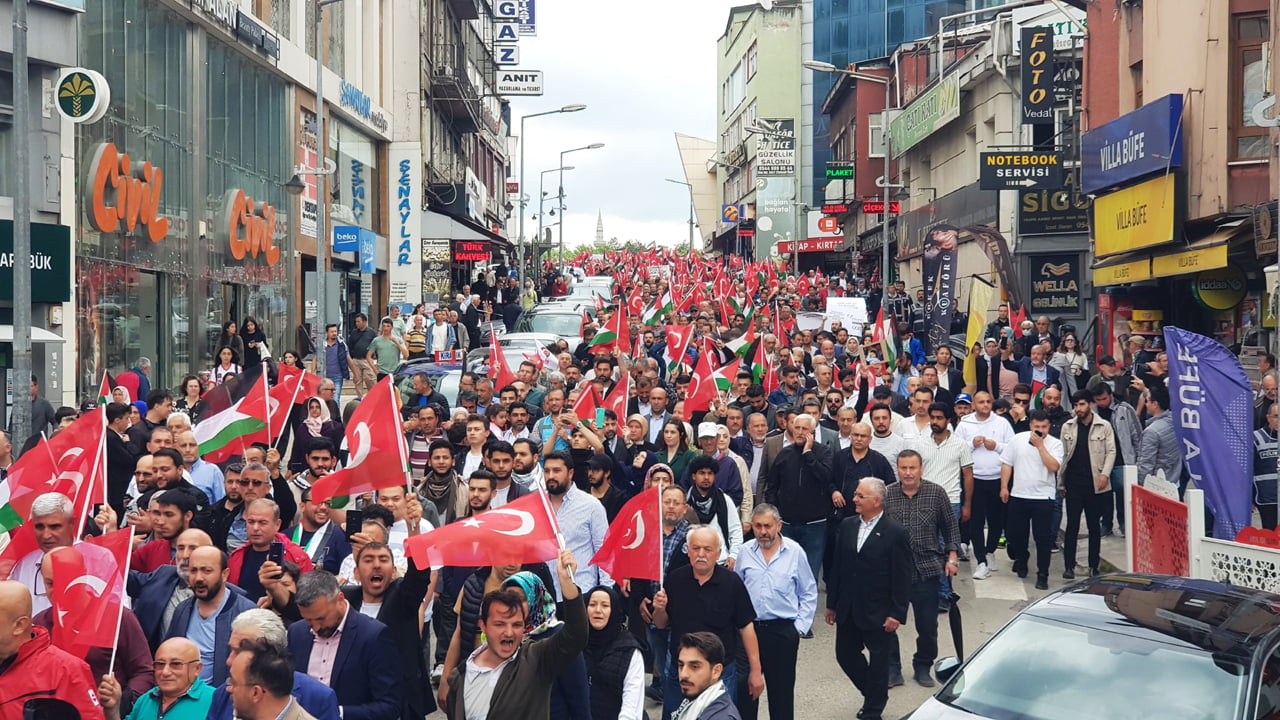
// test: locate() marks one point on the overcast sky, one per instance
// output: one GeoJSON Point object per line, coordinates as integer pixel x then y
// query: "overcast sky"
{"type": "Point", "coordinates": [646, 71]}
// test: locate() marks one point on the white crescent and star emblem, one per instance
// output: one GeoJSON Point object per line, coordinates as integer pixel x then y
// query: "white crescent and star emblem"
{"type": "Point", "coordinates": [639, 531]}
{"type": "Point", "coordinates": [95, 583]}
{"type": "Point", "coordinates": [363, 445]}
{"type": "Point", "coordinates": [526, 521]}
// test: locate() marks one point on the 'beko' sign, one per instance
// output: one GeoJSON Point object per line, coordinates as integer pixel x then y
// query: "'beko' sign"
{"type": "Point", "coordinates": [1146, 141]}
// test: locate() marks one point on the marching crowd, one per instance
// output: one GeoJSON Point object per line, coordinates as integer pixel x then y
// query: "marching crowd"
{"type": "Point", "coordinates": [856, 458]}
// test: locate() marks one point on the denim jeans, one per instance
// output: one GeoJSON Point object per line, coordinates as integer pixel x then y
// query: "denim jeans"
{"type": "Point", "coordinates": [813, 538]}
{"type": "Point", "coordinates": [1116, 510]}
{"type": "Point", "coordinates": [925, 613]}
{"type": "Point", "coordinates": [659, 642]}
{"type": "Point", "coordinates": [671, 696]}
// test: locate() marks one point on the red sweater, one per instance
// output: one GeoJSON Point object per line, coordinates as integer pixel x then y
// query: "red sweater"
{"type": "Point", "coordinates": [292, 552]}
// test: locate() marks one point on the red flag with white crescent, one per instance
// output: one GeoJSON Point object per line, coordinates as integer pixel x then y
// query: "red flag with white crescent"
{"type": "Point", "coordinates": [378, 453]}
{"type": "Point", "coordinates": [702, 388]}
{"type": "Point", "coordinates": [88, 591]}
{"type": "Point", "coordinates": [522, 531]}
{"type": "Point", "coordinates": [632, 546]}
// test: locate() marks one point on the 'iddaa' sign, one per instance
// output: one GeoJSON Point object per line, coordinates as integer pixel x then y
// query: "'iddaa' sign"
{"type": "Point", "coordinates": [351, 97]}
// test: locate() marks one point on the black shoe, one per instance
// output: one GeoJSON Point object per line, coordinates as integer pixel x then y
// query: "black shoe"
{"type": "Point", "coordinates": [895, 680]}
{"type": "Point", "coordinates": [1020, 569]}
{"type": "Point", "coordinates": [1069, 574]}
{"type": "Point", "coordinates": [1094, 572]}
{"type": "Point", "coordinates": [923, 679]}
{"type": "Point", "coordinates": [944, 606]}
{"type": "Point", "coordinates": [1042, 581]}
{"type": "Point", "coordinates": [806, 635]}
{"type": "Point", "coordinates": [653, 692]}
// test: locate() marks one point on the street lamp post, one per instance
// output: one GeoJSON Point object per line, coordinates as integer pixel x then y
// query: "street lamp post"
{"type": "Point", "coordinates": [592, 146]}
{"type": "Point", "coordinates": [542, 196]}
{"type": "Point", "coordinates": [883, 182]}
{"type": "Point", "coordinates": [520, 243]}
{"type": "Point", "coordinates": [681, 182]}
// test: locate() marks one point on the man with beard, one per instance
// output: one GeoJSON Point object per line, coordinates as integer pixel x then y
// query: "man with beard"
{"type": "Point", "coordinates": [262, 524]}
{"type": "Point", "coordinates": [204, 475]}
{"type": "Point", "coordinates": [226, 510]}
{"type": "Point", "coordinates": [499, 459]}
{"type": "Point", "coordinates": [1084, 478]}
{"type": "Point", "coordinates": [229, 529]}
{"type": "Point", "coordinates": [205, 618]}
{"type": "Point", "coordinates": [424, 427]}
{"type": "Point", "coordinates": [519, 417]}
{"type": "Point", "coordinates": [947, 461]}
{"type": "Point", "coordinates": [599, 476]}
{"type": "Point", "coordinates": [714, 507]}
{"type": "Point", "coordinates": [987, 434]}
{"type": "Point", "coordinates": [394, 601]}
{"type": "Point", "coordinates": [170, 512]}
{"type": "Point", "coordinates": [545, 429]}
{"type": "Point", "coordinates": [582, 519]}
{"type": "Point", "coordinates": [784, 593]}
{"type": "Point", "coordinates": [750, 447]}
{"type": "Point", "coordinates": [800, 485]}
{"type": "Point", "coordinates": [525, 469]}
{"type": "Point", "coordinates": [1127, 429]}
{"type": "Point", "coordinates": [442, 487]}
{"type": "Point", "coordinates": [324, 542]}
{"type": "Point", "coordinates": [350, 652]}
{"type": "Point", "coordinates": [675, 528]}
{"type": "Point", "coordinates": [322, 457]}
{"type": "Point", "coordinates": [883, 439]}
{"type": "Point", "coordinates": [157, 594]}
{"type": "Point", "coordinates": [444, 619]}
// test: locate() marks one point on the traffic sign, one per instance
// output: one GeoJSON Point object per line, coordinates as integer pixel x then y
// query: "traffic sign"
{"type": "Point", "coordinates": [1020, 170]}
{"type": "Point", "coordinates": [519, 82]}
{"type": "Point", "coordinates": [876, 207]}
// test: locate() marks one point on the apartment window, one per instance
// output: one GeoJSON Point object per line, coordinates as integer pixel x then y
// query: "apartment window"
{"type": "Point", "coordinates": [735, 89]}
{"type": "Point", "coordinates": [336, 14]}
{"type": "Point", "coordinates": [1248, 85]}
{"type": "Point", "coordinates": [751, 61]}
{"type": "Point", "coordinates": [875, 135]}
{"type": "Point", "coordinates": [281, 14]}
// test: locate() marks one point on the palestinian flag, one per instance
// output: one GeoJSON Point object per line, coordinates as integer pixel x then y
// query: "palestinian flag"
{"type": "Point", "coordinates": [725, 376]}
{"type": "Point", "coordinates": [614, 332]}
{"type": "Point", "coordinates": [240, 420]}
{"type": "Point", "coordinates": [662, 307]}
{"type": "Point", "coordinates": [104, 390]}
{"type": "Point", "coordinates": [884, 334]}
{"type": "Point", "coordinates": [1037, 394]}
{"type": "Point", "coordinates": [742, 344]}
{"type": "Point", "coordinates": [760, 364]}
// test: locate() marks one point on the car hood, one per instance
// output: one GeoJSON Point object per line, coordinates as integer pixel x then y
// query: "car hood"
{"type": "Point", "coordinates": [934, 710]}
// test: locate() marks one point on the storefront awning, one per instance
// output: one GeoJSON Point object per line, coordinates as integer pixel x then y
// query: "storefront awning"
{"type": "Point", "coordinates": [38, 335]}
{"type": "Point", "coordinates": [1207, 253]}
{"type": "Point", "coordinates": [442, 225]}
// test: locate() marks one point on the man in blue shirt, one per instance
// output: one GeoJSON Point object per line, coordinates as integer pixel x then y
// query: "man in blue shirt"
{"type": "Point", "coordinates": [179, 694]}
{"type": "Point", "coordinates": [204, 475]}
{"type": "Point", "coordinates": [785, 595]}
{"type": "Point", "coordinates": [205, 618]}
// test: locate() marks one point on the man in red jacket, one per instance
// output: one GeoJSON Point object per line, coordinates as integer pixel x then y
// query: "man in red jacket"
{"type": "Point", "coordinates": [262, 527]}
{"type": "Point", "coordinates": [31, 667]}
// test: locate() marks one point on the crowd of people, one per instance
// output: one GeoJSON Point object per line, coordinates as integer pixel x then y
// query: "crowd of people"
{"type": "Point", "coordinates": [869, 467]}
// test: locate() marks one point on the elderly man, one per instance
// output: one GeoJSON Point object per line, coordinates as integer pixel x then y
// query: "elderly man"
{"type": "Point", "coordinates": [263, 627]}
{"type": "Point", "coordinates": [53, 520]}
{"type": "Point", "coordinates": [205, 618]}
{"type": "Point", "coordinates": [204, 475]}
{"type": "Point", "coordinates": [261, 683]}
{"type": "Point", "coordinates": [33, 666]}
{"type": "Point", "coordinates": [180, 693]}
{"type": "Point", "coordinates": [785, 595]}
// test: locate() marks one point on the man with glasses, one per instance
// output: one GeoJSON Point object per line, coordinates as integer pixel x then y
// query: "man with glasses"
{"type": "Point", "coordinates": [180, 693]}
{"type": "Point", "coordinates": [254, 483]}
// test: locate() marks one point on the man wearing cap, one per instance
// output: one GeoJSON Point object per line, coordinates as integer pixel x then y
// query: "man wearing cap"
{"type": "Point", "coordinates": [599, 477]}
{"type": "Point", "coordinates": [728, 479]}
{"type": "Point", "coordinates": [963, 405]}
{"type": "Point", "coordinates": [1114, 376]}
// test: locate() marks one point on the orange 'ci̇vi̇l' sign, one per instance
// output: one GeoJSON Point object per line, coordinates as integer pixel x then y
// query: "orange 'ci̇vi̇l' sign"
{"type": "Point", "coordinates": [119, 192]}
{"type": "Point", "coordinates": [250, 227]}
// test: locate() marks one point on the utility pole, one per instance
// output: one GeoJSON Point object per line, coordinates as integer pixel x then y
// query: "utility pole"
{"type": "Point", "coordinates": [20, 424]}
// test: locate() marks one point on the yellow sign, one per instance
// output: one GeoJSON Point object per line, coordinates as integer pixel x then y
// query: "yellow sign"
{"type": "Point", "coordinates": [1220, 289]}
{"type": "Point", "coordinates": [1135, 217]}
{"type": "Point", "coordinates": [1122, 273]}
{"type": "Point", "coordinates": [1189, 261]}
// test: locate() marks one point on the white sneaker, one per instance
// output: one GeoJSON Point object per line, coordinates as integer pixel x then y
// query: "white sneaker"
{"type": "Point", "coordinates": [992, 564]}
{"type": "Point", "coordinates": [981, 572]}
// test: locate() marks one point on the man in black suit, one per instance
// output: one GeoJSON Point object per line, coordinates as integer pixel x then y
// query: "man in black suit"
{"type": "Point", "coordinates": [120, 458]}
{"type": "Point", "coordinates": [868, 594]}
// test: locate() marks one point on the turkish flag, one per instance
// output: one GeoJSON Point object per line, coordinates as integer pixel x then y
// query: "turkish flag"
{"type": "Point", "coordinates": [635, 303]}
{"type": "Point", "coordinates": [618, 397]}
{"type": "Point", "coordinates": [22, 541]}
{"type": "Point", "coordinates": [632, 546]}
{"type": "Point", "coordinates": [522, 531]}
{"type": "Point", "coordinates": [678, 337]}
{"type": "Point", "coordinates": [293, 385]}
{"type": "Point", "coordinates": [702, 388]}
{"type": "Point", "coordinates": [34, 473]}
{"type": "Point", "coordinates": [498, 369]}
{"type": "Point", "coordinates": [88, 590]}
{"type": "Point", "coordinates": [80, 452]}
{"type": "Point", "coordinates": [588, 400]}
{"type": "Point", "coordinates": [378, 454]}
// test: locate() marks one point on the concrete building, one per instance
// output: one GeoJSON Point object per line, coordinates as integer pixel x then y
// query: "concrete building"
{"type": "Point", "coordinates": [757, 122]}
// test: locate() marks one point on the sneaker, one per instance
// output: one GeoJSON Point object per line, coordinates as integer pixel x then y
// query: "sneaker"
{"type": "Point", "coordinates": [1057, 547]}
{"type": "Point", "coordinates": [895, 679]}
{"type": "Point", "coordinates": [982, 572]}
{"type": "Point", "coordinates": [1042, 582]}
{"type": "Point", "coordinates": [992, 563]}
{"type": "Point", "coordinates": [923, 678]}
{"type": "Point", "coordinates": [963, 554]}
{"type": "Point", "coordinates": [1002, 540]}
{"type": "Point", "coordinates": [437, 672]}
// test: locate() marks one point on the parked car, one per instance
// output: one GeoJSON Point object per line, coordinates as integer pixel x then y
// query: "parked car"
{"type": "Point", "coordinates": [1123, 646]}
{"type": "Point", "coordinates": [514, 347]}
{"type": "Point", "coordinates": [445, 377]}
{"type": "Point", "coordinates": [489, 329]}
{"type": "Point", "coordinates": [562, 321]}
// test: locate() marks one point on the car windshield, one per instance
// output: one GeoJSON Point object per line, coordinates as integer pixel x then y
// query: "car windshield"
{"type": "Point", "coordinates": [556, 324]}
{"type": "Point", "coordinates": [447, 384]}
{"type": "Point", "coordinates": [1038, 669]}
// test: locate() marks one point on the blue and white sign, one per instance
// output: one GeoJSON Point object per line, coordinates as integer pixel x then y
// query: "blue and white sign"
{"type": "Point", "coordinates": [1143, 142]}
{"type": "Point", "coordinates": [350, 96]}
{"type": "Point", "coordinates": [368, 251]}
{"type": "Point", "coordinates": [506, 32]}
{"type": "Point", "coordinates": [346, 238]}
{"type": "Point", "coordinates": [404, 208]}
{"type": "Point", "coordinates": [528, 18]}
{"type": "Point", "coordinates": [506, 10]}
{"type": "Point", "coordinates": [507, 54]}
{"type": "Point", "coordinates": [730, 214]}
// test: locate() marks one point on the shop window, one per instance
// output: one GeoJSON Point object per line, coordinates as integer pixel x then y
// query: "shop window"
{"type": "Point", "coordinates": [1248, 86]}
{"type": "Point", "coordinates": [875, 135]}
{"type": "Point", "coordinates": [353, 190]}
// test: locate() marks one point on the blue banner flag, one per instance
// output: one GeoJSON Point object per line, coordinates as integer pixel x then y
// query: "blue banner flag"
{"type": "Point", "coordinates": [1212, 406]}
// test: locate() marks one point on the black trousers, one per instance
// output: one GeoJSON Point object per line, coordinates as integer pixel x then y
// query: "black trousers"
{"type": "Point", "coordinates": [1093, 505]}
{"type": "Point", "coordinates": [1268, 515]}
{"type": "Point", "coordinates": [986, 518]}
{"type": "Point", "coordinates": [1028, 519]}
{"type": "Point", "coordinates": [924, 608]}
{"type": "Point", "coordinates": [779, 648]}
{"type": "Point", "coordinates": [443, 622]}
{"type": "Point", "coordinates": [870, 676]}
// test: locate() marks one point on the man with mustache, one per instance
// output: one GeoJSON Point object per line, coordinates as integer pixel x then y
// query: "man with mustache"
{"type": "Point", "coordinates": [205, 618]}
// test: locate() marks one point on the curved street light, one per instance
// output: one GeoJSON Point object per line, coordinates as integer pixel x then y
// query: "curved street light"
{"type": "Point", "coordinates": [592, 146]}
{"type": "Point", "coordinates": [574, 107]}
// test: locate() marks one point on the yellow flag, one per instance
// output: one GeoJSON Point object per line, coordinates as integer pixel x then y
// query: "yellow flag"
{"type": "Point", "coordinates": [979, 301]}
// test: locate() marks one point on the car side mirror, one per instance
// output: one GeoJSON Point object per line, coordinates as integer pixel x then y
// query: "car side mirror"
{"type": "Point", "coordinates": [945, 668]}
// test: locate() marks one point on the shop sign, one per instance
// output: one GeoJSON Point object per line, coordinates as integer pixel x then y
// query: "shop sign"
{"type": "Point", "coordinates": [1145, 141]}
{"type": "Point", "coordinates": [1189, 261]}
{"type": "Point", "coordinates": [926, 114]}
{"type": "Point", "coordinates": [1049, 212]}
{"type": "Point", "coordinates": [836, 209]}
{"type": "Point", "coordinates": [119, 192]}
{"type": "Point", "coordinates": [1020, 170]}
{"type": "Point", "coordinates": [839, 171]}
{"type": "Point", "coordinates": [776, 209]}
{"type": "Point", "coordinates": [1264, 230]}
{"type": "Point", "coordinates": [435, 268]}
{"type": "Point", "coordinates": [248, 227]}
{"type": "Point", "coordinates": [252, 32]}
{"type": "Point", "coordinates": [50, 262]}
{"type": "Point", "coordinates": [357, 190]}
{"type": "Point", "coordinates": [825, 244]}
{"type": "Point", "coordinates": [1055, 283]}
{"type": "Point", "coordinates": [1037, 75]}
{"type": "Point", "coordinates": [776, 149]}
{"type": "Point", "coordinates": [1067, 23]}
{"type": "Point", "coordinates": [406, 218]}
{"type": "Point", "coordinates": [350, 96]}
{"type": "Point", "coordinates": [308, 157]}
{"type": "Point", "coordinates": [471, 251]}
{"type": "Point", "coordinates": [876, 207]}
{"type": "Point", "coordinates": [368, 251]}
{"type": "Point", "coordinates": [83, 95]}
{"type": "Point", "coordinates": [223, 11]}
{"type": "Point", "coordinates": [1123, 273]}
{"type": "Point", "coordinates": [518, 82]}
{"type": "Point", "coordinates": [527, 16]}
{"type": "Point", "coordinates": [1135, 217]}
{"type": "Point", "coordinates": [1220, 289]}
{"type": "Point", "coordinates": [346, 238]}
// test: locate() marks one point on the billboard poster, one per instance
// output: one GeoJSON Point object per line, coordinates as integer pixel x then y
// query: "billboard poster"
{"type": "Point", "coordinates": [775, 210]}
{"type": "Point", "coordinates": [776, 148]}
{"type": "Point", "coordinates": [939, 269]}
{"type": "Point", "coordinates": [308, 157]}
{"type": "Point", "coordinates": [436, 256]}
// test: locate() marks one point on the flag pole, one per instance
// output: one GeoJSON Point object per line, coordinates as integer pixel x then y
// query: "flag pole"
{"type": "Point", "coordinates": [297, 388]}
{"type": "Point", "coordinates": [115, 641]}
{"type": "Point", "coordinates": [662, 564]}
{"type": "Point", "coordinates": [555, 522]}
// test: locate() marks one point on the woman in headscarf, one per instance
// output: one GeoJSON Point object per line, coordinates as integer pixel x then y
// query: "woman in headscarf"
{"type": "Point", "coordinates": [529, 296]}
{"type": "Point", "coordinates": [120, 394]}
{"type": "Point", "coordinates": [317, 423]}
{"type": "Point", "coordinates": [614, 660]}
{"type": "Point", "coordinates": [255, 342]}
{"type": "Point", "coordinates": [570, 695]}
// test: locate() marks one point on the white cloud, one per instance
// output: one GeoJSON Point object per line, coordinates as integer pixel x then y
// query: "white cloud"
{"type": "Point", "coordinates": [645, 71]}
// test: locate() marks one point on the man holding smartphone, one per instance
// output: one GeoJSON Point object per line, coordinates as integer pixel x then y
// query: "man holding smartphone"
{"type": "Point", "coordinates": [264, 542]}
{"type": "Point", "coordinates": [1033, 457]}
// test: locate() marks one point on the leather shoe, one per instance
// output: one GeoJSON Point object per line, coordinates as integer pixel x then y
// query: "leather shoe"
{"type": "Point", "coordinates": [923, 678]}
{"type": "Point", "coordinates": [1020, 568]}
{"type": "Point", "coordinates": [1094, 572]}
{"type": "Point", "coordinates": [1069, 574]}
{"type": "Point", "coordinates": [895, 680]}
{"type": "Point", "coordinates": [1042, 582]}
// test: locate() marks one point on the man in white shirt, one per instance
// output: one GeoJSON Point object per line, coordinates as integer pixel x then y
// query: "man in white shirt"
{"type": "Point", "coordinates": [917, 423]}
{"type": "Point", "coordinates": [987, 434]}
{"type": "Point", "coordinates": [883, 439]}
{"type": "Point", "coordinates": [53, 520]}
{"type": "Point", "coordinates": [1034, 457]}
{"type": "Point", "coordinates": [406, 508]}
{"type": "Point", "coordinates": [439, 335]}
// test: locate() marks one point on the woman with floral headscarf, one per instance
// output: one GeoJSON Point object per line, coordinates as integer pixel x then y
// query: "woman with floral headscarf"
{"type": "Point", "coordinates": [614, 660]}
{"type": "Point", "coordinates": [569, 695]}
{"type": "Point", "coordinates": [316, 423]}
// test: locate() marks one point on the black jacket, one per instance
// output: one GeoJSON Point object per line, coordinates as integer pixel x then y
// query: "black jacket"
{"type": "Point", "coordinates": [800, 483]}
{"type": "Point", "coordinates": [399, 612]}
{"type": "Point", "coordinates": [120, 464]}
{"type": "Point", "coordinates": [874, 583]}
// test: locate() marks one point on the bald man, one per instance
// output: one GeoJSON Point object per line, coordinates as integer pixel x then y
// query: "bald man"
{"type": "Point", "coordinates": [204, 475]}
{"type": "Point", "coordinates": [133, 657]}
{"type": "Point", "coordinates": [179, 693]}
{"type": "Point", "coordinates": [157, 594]}
{"type": "Point", "coordinates": [32, 666]}
{"type": "Point", "coordinates": [206, 616]}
